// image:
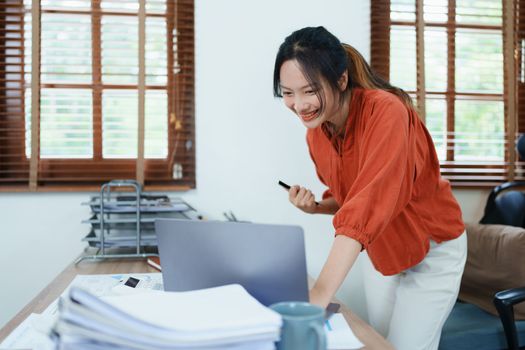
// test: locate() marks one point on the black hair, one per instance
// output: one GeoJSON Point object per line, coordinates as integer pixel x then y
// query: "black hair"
{"type": "Point", "coordinates": [322, 57]}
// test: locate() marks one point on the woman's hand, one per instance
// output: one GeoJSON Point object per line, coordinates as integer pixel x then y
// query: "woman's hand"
{"type": "Point", "coordinates": [303, 199]}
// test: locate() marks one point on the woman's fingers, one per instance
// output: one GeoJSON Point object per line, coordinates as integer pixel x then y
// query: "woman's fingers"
{"type": "Point", "coordinates": [301, 194]}
{"type": "Point", "coordinates": [292, 193]}
{"type": "Point", "coordinates": [308, 198]}
{"type": "Point", "coordinates": [302, 198]}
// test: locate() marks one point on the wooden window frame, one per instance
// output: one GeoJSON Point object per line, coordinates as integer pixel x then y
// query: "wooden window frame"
{"type": "Point", "coordinates": [19, 174]}
{"type": "Point", "coordinates": [463, 174]}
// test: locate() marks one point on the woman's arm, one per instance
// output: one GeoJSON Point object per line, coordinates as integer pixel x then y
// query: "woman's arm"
{"type": "Point", "coordinates": [342, 256]}
{"type": "Point", "coordinates": [327, 206]}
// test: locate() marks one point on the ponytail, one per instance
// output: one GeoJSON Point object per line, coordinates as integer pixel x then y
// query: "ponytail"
{"type": "Point", "coordinates": [323, 57]}
{"type": "Point", "coordinates": [361, 75]}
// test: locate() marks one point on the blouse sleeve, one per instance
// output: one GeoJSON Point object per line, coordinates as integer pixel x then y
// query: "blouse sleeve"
{"type": "Point", "coordinates": [386, 170]}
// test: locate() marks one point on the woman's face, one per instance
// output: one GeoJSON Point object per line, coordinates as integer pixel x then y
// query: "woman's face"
{"type": "Point", "coordinates": [301, 97]}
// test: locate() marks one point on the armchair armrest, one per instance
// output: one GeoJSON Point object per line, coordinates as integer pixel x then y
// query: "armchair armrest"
{"type": "Point", "coordinates": [504, 302]}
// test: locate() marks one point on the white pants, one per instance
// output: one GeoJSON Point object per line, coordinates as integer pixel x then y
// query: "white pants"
{"type": "Point", "coordinates": [410, 308]}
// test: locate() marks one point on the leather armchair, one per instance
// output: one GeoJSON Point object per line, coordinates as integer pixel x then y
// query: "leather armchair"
{"type": "Point", "coordinates": [471, 327]}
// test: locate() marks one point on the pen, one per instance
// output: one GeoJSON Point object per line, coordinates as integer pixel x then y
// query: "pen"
{"type": "Point", "coordinates": [284, 185]}
{"type": "Point", "coordinates": [230, 216]}
{"type": "Point", "coordinates": [287, 187]}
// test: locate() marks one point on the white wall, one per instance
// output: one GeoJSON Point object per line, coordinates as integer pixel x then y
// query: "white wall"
{"type": "Point", "coordinates": [39, 235]}
{"type": "Point", "coordinates": [472, 203]}
{"type": "Point", "coordinates": [246, 141]}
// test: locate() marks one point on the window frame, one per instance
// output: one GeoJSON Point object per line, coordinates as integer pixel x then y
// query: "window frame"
{"type": "Point", "coordinates": [461, 174]}
{"type": "Point", "coordinates": [55, 174]}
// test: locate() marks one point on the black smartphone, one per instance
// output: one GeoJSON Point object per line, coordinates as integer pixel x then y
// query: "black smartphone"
{"type": "Point", "coordinates": [132, 282]}
{"type": "Point", "coordinates": [284, 185]}
{"type": "Point", "coordinates": [331, 309]}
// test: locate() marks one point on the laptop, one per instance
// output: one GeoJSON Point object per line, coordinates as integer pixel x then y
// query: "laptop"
{"type": "Point", "coordinates": [267, 260]}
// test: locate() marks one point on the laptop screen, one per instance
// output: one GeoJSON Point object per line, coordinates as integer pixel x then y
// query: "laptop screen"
{"type": "Point", "coordinates": [267, 260]}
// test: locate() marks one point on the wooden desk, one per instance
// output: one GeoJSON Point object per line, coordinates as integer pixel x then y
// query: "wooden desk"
{"type": "Point", "coordinates": [367, 335]}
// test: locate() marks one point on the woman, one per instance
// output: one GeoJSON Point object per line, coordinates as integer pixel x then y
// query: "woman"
{"type": "Point", "coordinates": [384, 188]}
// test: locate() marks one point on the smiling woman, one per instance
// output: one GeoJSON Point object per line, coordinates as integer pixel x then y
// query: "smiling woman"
{"type": "Point", "coordinates": [377, 159]}
{"type": "Point", "coordinates": [302, 98]}
{"type": "Point", "coordinates": [310, 80]}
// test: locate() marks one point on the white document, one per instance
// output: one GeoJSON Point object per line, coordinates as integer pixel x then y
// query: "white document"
{"type": "Point", "coordinates": [225, 307]}
{"type": "Point", "coordinates": [104, 285]}
{"type": "Point", "coordinates": [28, 335]}
{"type": "Point", "coordinates": [32, 332]}
{"type": "Point", "coordinates": [213, 317]}
{"type": "Point", "coordinates": [76, 344]}
{"type": "Point", "coordinates": [201, 315]}
{"type": "Point", "coordinates": [339, 335]}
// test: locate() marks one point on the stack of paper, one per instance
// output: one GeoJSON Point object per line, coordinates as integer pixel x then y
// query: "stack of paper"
{"type": "Point", "coordinates": [224, 317]}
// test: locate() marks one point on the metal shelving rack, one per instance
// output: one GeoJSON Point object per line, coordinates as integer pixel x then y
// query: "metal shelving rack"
{"type": "Point", "coordinates": [120, 206]}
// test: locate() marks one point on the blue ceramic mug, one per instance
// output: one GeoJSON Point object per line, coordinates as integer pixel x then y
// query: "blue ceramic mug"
{"type": "Point", "coordinates": [303, 326]}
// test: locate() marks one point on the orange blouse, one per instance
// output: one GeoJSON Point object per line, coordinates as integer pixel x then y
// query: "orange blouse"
{"type": "Point", "coordinates": [384, 174]}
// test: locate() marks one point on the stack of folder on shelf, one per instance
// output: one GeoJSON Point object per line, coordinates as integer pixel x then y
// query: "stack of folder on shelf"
{"type": "Point", "coordinates": [120, 218]}
{"type": "Point", "coordinates": [224, 317]}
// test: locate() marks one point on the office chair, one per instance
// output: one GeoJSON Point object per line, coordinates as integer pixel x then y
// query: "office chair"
{"type": "Point", "coordinates": [471, 327]}
{"type": "Point", "coordinates": [506, 205]}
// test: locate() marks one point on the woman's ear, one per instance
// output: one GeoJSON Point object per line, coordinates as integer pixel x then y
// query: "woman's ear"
{"type": "Point", "coordinates": [343, 81]}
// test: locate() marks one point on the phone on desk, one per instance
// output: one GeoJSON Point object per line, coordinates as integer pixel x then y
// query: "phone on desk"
{"type": "Point", "coordinates": [331, 309]}
{"type": "Point", "coordinates": [133, 284]}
